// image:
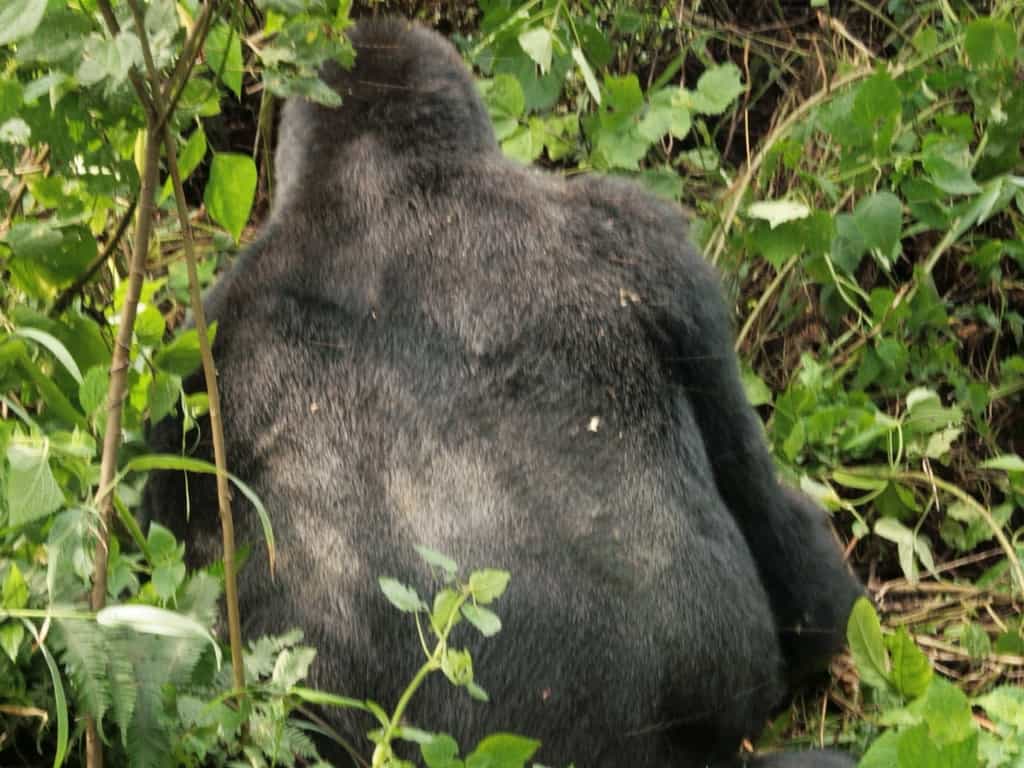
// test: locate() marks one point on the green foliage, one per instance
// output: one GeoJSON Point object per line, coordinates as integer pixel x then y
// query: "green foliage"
{"type": "Point", "coordinates": [871, 225]}
{"type": "Point", "coordinates": [534, 51]}
{"type": "Point", "coordinates": [454, 601]}
{"type": "Point", "coordinates": [927, 721]}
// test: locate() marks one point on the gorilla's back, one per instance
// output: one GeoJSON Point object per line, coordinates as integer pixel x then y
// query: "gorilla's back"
{"type": "Point", "coordinates": [432, 345]}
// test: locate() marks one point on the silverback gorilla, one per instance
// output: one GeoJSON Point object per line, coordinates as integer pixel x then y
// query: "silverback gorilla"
{"type": "Point", "coordinates": [430, 344]}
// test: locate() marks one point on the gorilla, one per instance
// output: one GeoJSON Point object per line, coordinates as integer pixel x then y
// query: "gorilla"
{"type": "Point", "coordinates": [431, 344]}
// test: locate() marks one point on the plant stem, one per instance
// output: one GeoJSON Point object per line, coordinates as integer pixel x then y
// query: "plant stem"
{"type": "Point", "coordinates": [216, 424]}
{"type": "Point", "coordinates": [116, 394]}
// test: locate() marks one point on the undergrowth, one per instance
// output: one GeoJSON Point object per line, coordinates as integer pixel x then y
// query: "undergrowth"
{"type": "Point", "coordinates": [855, 171]}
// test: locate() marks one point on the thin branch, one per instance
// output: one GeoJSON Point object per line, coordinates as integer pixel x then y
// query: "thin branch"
{"type": "Point", "coordinates": [133, 77]}
{"type": "Point", "coordinates": [179, 78]}
{"type": "Point", "coordinates": [19, 192]}
{"type": "Point", "coordinates": [116, 392]}
{"type": "Point", "coordinates": [216, 424]}
{"type": "Point", "coordinates": [69, 293]}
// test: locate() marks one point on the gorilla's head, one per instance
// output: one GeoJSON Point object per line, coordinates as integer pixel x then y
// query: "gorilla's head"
{"type": "Point", "coordinates": [408, 90]}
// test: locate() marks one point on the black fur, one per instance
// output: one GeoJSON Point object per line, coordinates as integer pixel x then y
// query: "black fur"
{"type": "Point", "coordinates": [430, 344]}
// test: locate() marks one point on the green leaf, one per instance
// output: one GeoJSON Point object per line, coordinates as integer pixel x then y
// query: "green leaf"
{"type": "Point", "coordinates": [864, 634]}
{"type": "Point", "coordinates": [230, 191]}
{"type": "Point", "coordinates": [1005, 705]}
{"type": "Point", "coordinates": [883, 752]}
{"type": "Point", "coordinates": [110, 59]}
{"type": "Point", "coordinates": [189, 158]}
{"type": "Point", "coordinates": [537, 44]}
{"type": "Point", "coordinates": [11, 635]}
{"type": "Point", "coordinates": [505, 102]}
{"type": "Point", "coordinates": [624, 94]}
{"type": "Point", "coordinates": [457, 666]}
{"type": "Point", "coordinates": [328, 699]}
{"type": "Point", "coordinates": [167, 578]}
{"type": "Point", "coordinates": [911, 671]}
{"type": "Point", "coordinates": [758, 393]}
{"type": "Point", "coordinates": [441, 751]}
{"type": "Point", "coordinates": [445, 610]}
{"type": "Point", "coordinates": [151, 620]}
{"type": "Point", "coordinates": [588, 75]}
{"type": "Point", "coordinates": [19, 19]}
{"type": "Point", "coordinates": [292, 666]}
{"type": "Point", "coordinates": [717, 88]}
{"type": "Point", "coordinates": [1007, 462]}
{"type": "Point", "coordinates": [948, 165]}
{"type": "Point", "coordinates": [92, 392]}
{"type": "Point", "coordinates": [877, 100]}
{"type": "Point", "coordinates": [149, 462]}
{"type": "Point", "coordinates": [15, 591]}
{"type": "Point", "coordinates": [947, 712]}
{"type": "Point", "coordinates": [502, 750]}
{"type": "Point", "coordinates": [666, 113]}
{"type": "Point", "coordinates": [182, 356]}
{"type": "Point", "coordinates": [777, 212]}
{"type": "Point", "coordinates": [918, 748]}
{"type": "Point", "coordinates": [32, 491]}
{"type": "Point", "coordinates": [402, 597]}
{"type": "Point", "coordinates": [910, 546]}
{"type": "Point", "coordinates": [60, 700]}
{"type": "Point", "coordinates": [520, 145]}
{"type": "Point", "coordinates": [484, 620]}
{"type": "Point", "coordinates": [434, 558]}
{"type": "Point", "coordinates": [476, 692]}
{"type": "Point", "coordinates": [990, 42]}
{"type": "Point", "coordinates": [488, 585]}
{"type": "Point", "coordinates": [224, 57]}
{"type": "Point", "coordinates": [879, 221]}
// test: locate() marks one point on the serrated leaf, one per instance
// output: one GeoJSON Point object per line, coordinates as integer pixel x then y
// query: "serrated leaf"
{"type": "Point", "coordinates": [32, 491]}
{"type": "Point", "coordinates": [404, 598]}
{"type": "Point", "coordinates": [19, 19]}
{"type": "Point", "coordinates": [537, 44]}
{"type": "Point", "coordinates": [292, 666]}
{"type": "Point", "coordinates": [505, 103]}
{"type": "Point", "coordinates": [230, 191]}
{"type": "Point", "coordinates": [947, 712]}
{"type": "Point", "coordinates": [167, 578]}
{"type": "Point", "coordinates": [488, 585]}
{"type": "Point", "coordinates": [484, 620]}
{"type": "Point", "coordinates": [716, 89]}
{"type": "Point", "coordinates": [864, 634]}
{"type": "Point", "coordinates": [1004, 704]}
{"type": "Point", "coordinates": [911, 671]}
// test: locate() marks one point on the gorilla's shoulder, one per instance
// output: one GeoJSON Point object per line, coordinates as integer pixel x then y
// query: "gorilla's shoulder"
{"type": "Point", "coordinates": [650, 230]}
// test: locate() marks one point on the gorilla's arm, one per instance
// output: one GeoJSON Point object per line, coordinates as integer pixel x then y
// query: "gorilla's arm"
{"type": "Point", "coordinates": [679, 301]}
{"type": "Point", "coordinates": [810, 586]}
